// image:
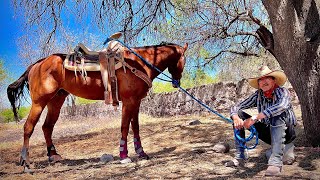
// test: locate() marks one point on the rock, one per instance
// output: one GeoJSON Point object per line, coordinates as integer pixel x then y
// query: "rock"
{"type": "Point", "coordinates": [199, 151]}
{"type": "Point", "coordinates": [194, 122]}
{"type": "Point", "coordinates": [221, 147]}
{"type": "Point", "coordinates": [106, 158]}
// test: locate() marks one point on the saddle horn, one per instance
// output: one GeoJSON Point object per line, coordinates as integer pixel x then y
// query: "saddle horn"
{"type": "Point", "coordinates": [116, 35]}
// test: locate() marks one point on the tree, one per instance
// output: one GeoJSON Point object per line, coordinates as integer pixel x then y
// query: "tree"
{"type": "Point", "coordinates": [3, 73]}
{"type": "Point", "coordinates": [296, 35]}
{"type": "Point", "coordinates": [3, 77]}
{"type": "Point", "coordinates": [216, 30]}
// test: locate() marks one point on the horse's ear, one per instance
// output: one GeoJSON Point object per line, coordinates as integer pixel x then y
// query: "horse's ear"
{"type": "Point", "coordinates": [185, 47]}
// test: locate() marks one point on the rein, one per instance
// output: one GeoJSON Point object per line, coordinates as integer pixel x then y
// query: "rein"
{"type": "Point", "coordinates": [241, 141]}
{"type": "Point", "coordinates": [164, 79]}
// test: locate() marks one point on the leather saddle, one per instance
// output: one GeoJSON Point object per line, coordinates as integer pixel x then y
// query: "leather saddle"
{"type": "Point", "coordinates": [107, 61]}
{"type": "Point", "coordinates": [85, 59]}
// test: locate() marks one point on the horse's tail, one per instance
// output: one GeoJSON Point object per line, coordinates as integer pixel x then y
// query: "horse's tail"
{"type": "Point", "coordinates": [15, 91]}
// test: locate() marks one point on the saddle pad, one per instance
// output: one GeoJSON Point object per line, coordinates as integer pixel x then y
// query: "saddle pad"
{"type": "Point", "coordinates": [87, 66]}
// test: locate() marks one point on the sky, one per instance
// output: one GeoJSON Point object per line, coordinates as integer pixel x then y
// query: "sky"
{"type": "Point", "coordinates": [13, 27]}
{"type": "Point", "coordinates": [10, 30]}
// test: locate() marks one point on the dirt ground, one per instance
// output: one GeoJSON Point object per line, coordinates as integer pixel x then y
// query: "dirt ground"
{"type": "Point", "coordinates": [177, 150]}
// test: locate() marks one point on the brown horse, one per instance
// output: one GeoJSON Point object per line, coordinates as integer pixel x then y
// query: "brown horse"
{"type": "Point", "coordinates": [50, 83]}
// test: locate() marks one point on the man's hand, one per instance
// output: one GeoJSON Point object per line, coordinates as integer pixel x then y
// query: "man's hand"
{"type": "Point", "coordinates": [237, 122]}
{"type": "Point", "coordinates": [248, 123]}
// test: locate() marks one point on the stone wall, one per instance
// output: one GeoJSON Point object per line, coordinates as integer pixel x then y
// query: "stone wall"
{"type": "Point", "coordinates": [220, 97]}
{"type": "Point", "coordinates": [97, 110]}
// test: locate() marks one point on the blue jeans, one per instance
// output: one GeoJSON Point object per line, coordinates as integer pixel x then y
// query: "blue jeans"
{"type": "Point", "coordinates": [279, 132]}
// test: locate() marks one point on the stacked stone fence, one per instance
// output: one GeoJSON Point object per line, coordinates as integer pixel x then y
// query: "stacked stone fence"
{"type": "Point", "coordinates": [220, 97]}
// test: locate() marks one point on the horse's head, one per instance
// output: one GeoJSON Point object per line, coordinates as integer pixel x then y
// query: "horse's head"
{"type": "Point", "coordinates": [176, 67]}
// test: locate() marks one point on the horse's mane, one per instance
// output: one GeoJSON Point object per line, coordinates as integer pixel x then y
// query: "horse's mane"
{"type": "Point", "coordinates": [163, 43]}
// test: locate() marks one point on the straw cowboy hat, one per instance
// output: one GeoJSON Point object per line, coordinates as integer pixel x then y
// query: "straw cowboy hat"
{"type": "Point", "coordinates": [264, 71]}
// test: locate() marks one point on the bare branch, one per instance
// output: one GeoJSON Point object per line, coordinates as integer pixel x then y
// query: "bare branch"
{"type": "Point", "coordinates": [209, 25]}
{"type": "Point", "coordinates": [254, 19]}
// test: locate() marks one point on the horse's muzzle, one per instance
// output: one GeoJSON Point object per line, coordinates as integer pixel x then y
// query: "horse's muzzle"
{"type": "Point", "coordinates": [175, 83]}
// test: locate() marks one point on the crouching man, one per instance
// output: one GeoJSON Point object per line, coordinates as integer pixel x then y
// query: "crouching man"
{"type": "Point", "coordinates": [274, 122]}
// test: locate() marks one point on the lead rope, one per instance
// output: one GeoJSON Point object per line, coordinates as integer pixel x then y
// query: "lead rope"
{"type": "Point", "coordinates": [240, 140]}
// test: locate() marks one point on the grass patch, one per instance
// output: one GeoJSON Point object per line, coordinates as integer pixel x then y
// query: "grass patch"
{"type": "Point", "coordinates": [187, 81]}
{"type": "Point", "coordinates": [7, 114]}
{"type": "Point", "coordinates": [80, 100]}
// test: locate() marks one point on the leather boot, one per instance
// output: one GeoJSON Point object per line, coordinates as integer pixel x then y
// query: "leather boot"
{"type": "Point", "coordinates": [273, 171]}
{"type": "Point", "coordinates": [235, 163]}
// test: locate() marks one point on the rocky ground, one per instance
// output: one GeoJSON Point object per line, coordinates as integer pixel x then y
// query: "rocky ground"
{"type": "Point", "coordinates": [177, 150]}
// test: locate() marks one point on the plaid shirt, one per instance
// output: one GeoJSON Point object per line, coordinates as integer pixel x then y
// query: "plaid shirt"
{"type": "Point", "coordinates": [269, 107]}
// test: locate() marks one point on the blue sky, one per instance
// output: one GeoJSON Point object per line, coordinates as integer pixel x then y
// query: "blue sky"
{"type": "Point", "coordinates": [11, 29]}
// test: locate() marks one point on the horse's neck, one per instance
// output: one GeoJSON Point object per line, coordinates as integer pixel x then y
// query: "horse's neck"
{"type": "Point", "coordinates": [160, 64]}
{"type": "Point", "coordinates": [156, 62]}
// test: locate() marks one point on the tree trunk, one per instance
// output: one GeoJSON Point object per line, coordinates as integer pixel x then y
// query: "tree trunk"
{"type": "Point", "coordinates": [296, 32]}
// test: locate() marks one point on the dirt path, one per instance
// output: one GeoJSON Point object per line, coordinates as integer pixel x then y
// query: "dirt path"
{"type": "Point", "coordinates": [177, 150]}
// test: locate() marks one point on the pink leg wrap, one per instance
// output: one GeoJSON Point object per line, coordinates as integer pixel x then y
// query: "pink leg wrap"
{"type": "Point", "coordinates": [123, 149]}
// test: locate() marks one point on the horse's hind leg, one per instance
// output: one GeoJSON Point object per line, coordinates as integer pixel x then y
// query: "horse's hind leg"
{"type": "Point", "coordinates": [33, 117]}
{"type": "Point", "coordinates": [54, 107]}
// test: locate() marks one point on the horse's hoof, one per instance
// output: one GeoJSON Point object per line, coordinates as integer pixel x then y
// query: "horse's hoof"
{"type": "Point", "coordinates": [26, 166]}
{"type": "Point", "coordinates": [27, 170]}
{"type": "Point", "coordinates": [144, 156]}
{"type": "Point", "coordinates": [125, 161]}
{"type": "Point", "coordinates": [55, 158]}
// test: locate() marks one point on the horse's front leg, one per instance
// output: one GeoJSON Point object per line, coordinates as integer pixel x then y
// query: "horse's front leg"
{"type": "Point", "coordinates": [136, 137]}
{"type": "Point", "coordinates": [125, 123]}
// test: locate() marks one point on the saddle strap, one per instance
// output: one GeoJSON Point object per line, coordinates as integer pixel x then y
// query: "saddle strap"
{"type": "Point", "coordinates": [139, 74]}
{"type": "Point", "coordinates": [105, 77]}
{"type": "Point", "coordinates": [113, 81]}
{"type": "Point", "coordinates": [115, 50]}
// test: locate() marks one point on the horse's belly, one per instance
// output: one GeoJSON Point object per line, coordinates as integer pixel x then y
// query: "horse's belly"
{"type": "Point", "coordinates": [90, 87]}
